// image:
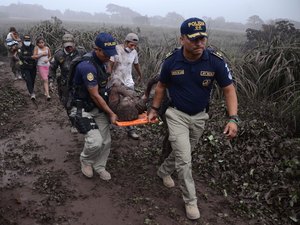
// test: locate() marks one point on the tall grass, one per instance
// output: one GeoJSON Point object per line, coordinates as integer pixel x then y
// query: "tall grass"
{"type": "Point", "coordinates": [270, 71]}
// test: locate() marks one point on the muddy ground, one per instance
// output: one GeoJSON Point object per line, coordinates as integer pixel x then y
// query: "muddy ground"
{"type": "Point", "coordinates": [41, 181]}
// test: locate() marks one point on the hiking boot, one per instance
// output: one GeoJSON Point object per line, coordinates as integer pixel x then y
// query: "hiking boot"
{"type": "Point", "coordinates": [32, 97]}
{"type": "Point", "coordinates": [133, 135]}
{"type": "Point", "coordinates": [104, 175]}
{"type": "Point", "coordinates": [168, 181]}
{"type": "Point", "coordinates": [192, 211]}
{"type": "Point", "coordinates": [87, 170]}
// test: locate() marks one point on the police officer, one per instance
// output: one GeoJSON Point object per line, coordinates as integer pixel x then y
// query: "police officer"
{"type": "Point", "coordinates": [91, 111]}
{"type": "Point", "coordinates": [28, 64]}
{"type": "Point", "coordinates": [188, 75]}
{"type": "Point", "coordinates": [62, 59]}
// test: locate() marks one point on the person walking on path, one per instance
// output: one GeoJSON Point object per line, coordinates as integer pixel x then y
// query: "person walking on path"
{"type": "Point", "coordinates": [43, 54]}
{"type": "Point", "coordinates": [13, 42]}
{"type": "Point", "coordinates": [62, 59]}
{"type": "Point", "coordinates": [121, 67]}
{"type": "Point", "coordinates": [28, 64]}
{"type": "Point", "coordinates": [188, 76]}
{"type": "Point", "coordinates": [90, 112]}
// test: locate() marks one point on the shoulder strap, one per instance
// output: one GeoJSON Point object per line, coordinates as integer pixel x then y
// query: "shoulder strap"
{"type": "Point", "coordinates": [214, 51]}
{"type": "Point", "coordinates": [73, 65]}
{"type": "Point", "coordinates": [102, 76]}
{"type": "Point", "coordinates": [171, 53]}
{"type": "Point", "coordinates": [57, 50]}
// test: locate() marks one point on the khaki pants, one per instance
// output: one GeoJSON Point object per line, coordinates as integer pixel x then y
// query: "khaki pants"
{"type": "Point", "coordinates": [185, 132]}
{"type": "Point", "coordinates": [97, 141]}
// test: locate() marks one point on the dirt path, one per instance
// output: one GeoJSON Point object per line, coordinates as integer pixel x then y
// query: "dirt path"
{"type": "Point", "coordinates": [41, 181]}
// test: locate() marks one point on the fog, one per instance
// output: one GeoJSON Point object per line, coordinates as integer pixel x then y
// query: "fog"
{"type": "Point", "coordinates": [231, 10]}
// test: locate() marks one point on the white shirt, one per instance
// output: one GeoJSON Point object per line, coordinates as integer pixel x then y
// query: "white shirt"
{"type": "Point", "coordinates": [123, 65]}
{"type": "Point", "coordinates": [9, 36]}
{"type": "Point", "coordinates": [10, 39]}
{"type": "Point", "coordinates": [41, 60]}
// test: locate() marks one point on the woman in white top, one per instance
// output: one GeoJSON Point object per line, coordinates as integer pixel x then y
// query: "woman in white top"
{"type": "Point", "coordinates": [43, 54]}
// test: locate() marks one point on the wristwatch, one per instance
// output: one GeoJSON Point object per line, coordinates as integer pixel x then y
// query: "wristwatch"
{"type": "Point", "coordinates": [234, 119]}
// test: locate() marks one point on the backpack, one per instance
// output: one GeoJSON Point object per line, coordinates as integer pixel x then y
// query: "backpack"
{"type": "Point", "coordinates": [68, 99]}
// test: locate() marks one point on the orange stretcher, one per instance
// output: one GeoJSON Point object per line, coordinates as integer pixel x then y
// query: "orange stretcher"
{"type": "Point", "coordinates": [143, 119]}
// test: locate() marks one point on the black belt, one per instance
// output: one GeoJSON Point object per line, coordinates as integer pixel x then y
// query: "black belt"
{"type": "Point", "coordinates": [190, 114]}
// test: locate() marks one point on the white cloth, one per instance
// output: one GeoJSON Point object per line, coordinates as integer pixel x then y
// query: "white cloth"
{"type": "Point", "coordinates": [9, 37]}
{"type": "Point", "coordinates": [10, 40]}
{"type": "Point", "coordinates": [123, 65]}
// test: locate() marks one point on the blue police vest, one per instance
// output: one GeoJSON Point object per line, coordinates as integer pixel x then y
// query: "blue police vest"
{"type": "Point", "coordinates": [80, 90]}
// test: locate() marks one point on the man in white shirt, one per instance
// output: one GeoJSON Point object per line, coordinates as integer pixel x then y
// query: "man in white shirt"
{"type": "Point", "coordinates": [121, 67]}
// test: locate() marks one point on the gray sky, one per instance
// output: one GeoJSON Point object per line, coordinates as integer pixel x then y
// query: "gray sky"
{"type": "Point", "coordinates": [231, 10]}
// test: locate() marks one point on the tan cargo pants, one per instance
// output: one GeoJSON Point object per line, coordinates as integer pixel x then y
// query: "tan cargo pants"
{"type": "Point", "coordinates": [97, 142]}
{"type": "Point", "coordinates": [185, 132]}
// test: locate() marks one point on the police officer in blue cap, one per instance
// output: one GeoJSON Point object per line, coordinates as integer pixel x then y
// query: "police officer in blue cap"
{"type": "Point", "coordinates": [188, 75]}
{"type": "Point", "coordinates": [91, 113]}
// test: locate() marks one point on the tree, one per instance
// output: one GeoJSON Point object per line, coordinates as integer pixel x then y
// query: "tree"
{"type": "Point", "coordinates": [173, 18]}
{"type": "Point", "coordinates": [280, 32]}
{"type": "Point", "coordinates": [254, 22]}
{"type": "Point", "coordinates": [120, 13]}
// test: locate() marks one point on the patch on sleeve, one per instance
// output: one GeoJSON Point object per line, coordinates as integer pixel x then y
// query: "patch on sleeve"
{"type": "Point", "coordinates": [90, 76]}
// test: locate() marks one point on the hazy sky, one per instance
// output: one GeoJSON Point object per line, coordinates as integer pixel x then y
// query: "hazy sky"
{"type": "Point", "coordinates": [231, 10]}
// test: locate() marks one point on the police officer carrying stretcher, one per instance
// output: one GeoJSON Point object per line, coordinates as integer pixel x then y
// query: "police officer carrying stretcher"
{"type": "Point", "coordinates": [188, 76]}
{"type": "Point", "coordinates": [91, 113]}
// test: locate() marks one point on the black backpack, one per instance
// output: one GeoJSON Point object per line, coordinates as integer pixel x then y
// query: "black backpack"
{"type": "Point", "coordinates": [68, 100]}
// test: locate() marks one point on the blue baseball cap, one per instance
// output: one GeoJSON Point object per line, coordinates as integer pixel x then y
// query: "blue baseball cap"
{"type": "Point", "coordinates": [107, 43]}
{"type": "Point", "coordinates": [193, 28]}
